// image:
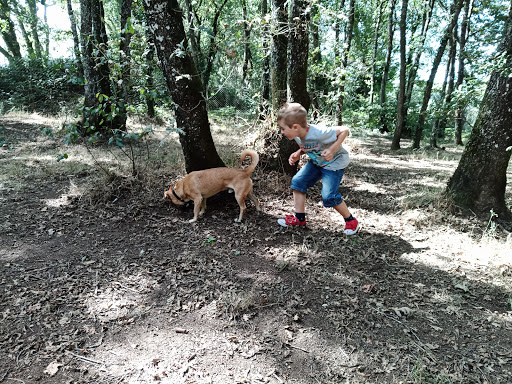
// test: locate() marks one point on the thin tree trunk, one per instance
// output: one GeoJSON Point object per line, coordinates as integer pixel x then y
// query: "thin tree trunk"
{"type": "Point", "coordinates": [34, 27]}
{"type": "Point", "coordinates": [193, 37]}
{"type": "Point", "coordinates": [265, 78]}
{"type": "Point", "coordinates": [278, 55]}
{"type": "Point", "coordinates": [125, 52]}
{"type": "Point", "coordinates": [212, 48]}
{"type": "Point", "coordinates": [451, 83]}
{"type": "Point", "coordinates": [435, 126]}
{"type": "Point", "coordinates": [376, 35]}
{"type": "Point", "coordinates": [385, 73]}
{"type": "Point", "coordinates": [411, 79]}
{"type": "Point", "coordinates": [76, 40]}
{"type": "Point", "coordinates": [456, 7]}
{"type": "Point", "coordinates": [26, 36]}
{"type": "Point", "coordinates": [247, 38]}
{"type": "Point", "coordinates": [400, 118]}
{"type": "Point", "coordinates": [165, 19]}
{"type": "Point", "coordinates": [464, 32]}
{"type": "Point", "coordinates": [8, 32]}
{"type": "Point", "coordinates": [348, 44]}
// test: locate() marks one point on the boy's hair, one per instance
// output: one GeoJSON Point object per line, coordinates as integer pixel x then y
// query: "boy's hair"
{"type": "Point", "coordinates": [293, 113]}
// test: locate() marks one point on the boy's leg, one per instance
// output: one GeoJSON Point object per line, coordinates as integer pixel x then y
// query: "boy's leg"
{"type": "Point", "coordinates": [332, 198]}
{"type": "Point", "coordinates": [307, 176]}
{"type": "Point", "coordinates": [299, 201]}
{"type": "Point", "coordinates": [343, 210]}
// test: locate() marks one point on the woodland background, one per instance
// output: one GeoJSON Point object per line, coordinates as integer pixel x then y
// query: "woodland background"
{"type": "Point", "coordinates": [103, 281]}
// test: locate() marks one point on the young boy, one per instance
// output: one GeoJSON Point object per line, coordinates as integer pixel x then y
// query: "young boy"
{"type": "Point", "coordinates": [328, 160]}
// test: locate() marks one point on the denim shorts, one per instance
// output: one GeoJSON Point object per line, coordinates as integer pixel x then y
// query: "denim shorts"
{"type": "Point", "coordinates": [309, 175]}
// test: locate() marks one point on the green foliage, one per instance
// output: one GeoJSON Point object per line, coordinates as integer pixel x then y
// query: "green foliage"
{"type": "Point", "coordinates": [38, 86]}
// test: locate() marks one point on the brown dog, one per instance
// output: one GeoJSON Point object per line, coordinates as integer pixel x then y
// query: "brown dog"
{"type": "Point", "coordinates": [199, 185]}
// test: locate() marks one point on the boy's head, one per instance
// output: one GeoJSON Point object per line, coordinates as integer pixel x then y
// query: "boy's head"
{"type": "Point", "coordinates": [293, 113]}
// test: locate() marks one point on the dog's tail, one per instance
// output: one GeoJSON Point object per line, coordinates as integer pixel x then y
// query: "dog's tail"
{"type": "Point", "coordinates": [254, 159]}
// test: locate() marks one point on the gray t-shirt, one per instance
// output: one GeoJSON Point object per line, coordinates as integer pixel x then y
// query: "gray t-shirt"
{"type": "Point", "coordinates": [319, 138]}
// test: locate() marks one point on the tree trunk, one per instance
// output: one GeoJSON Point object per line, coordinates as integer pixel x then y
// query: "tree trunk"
{"type": "Point", "coordinates": [212, 48]}
{"type": "Point", "coordinates": [385, 73]}
{"type": "Point", "coordinates": [435, 126]}
{"type": "Point", "coordinates": [451, 83]}
{"type": "Point", "coordinates": [98, 117]}
{"type": "Point", "coordinates": [8, 32]}
{"type": "Point", "coordinates": [278, 55]}
{"type": "Point", "coordinates": [20, 16]}
{"type": "Point", "coordinates": [34, 28]}
{"type": "Point", "coordinates": [480, 180]}
{"type": "Point", "coordinates": [265, 77]}
{"type": "Point", "coordinates": [125, 53]}
{"type": "Point", "coordinates": [348, 44]}
{"type": "Point", "coordinates": [464, 32]}
{"type": "Point", "coordinates": [376, 35]}
{"type": "Point", "coordinates": [414, 64]}
{"type": "Point", "coordinates": [165, 19]}
{"type": "Point", "coordinates": [400, 117]}
{"type": "Point", "coordinates": [298, 53]}
{"type": "Point", "coordinates": [76, 40]}
{"type": "Point", "coordinates": [456, 7]}
{"type": "Point", "coordinates": [247, 38]}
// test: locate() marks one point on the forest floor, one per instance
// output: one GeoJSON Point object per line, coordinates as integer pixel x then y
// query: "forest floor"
{"type": "Point", "coordinates": [103, 281]}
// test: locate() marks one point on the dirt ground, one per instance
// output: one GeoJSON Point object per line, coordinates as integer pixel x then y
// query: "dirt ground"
{"type": "Point", "coordinates": [111, 284]}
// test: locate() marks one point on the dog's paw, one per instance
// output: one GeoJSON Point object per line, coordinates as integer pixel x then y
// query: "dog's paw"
{"type": "Point", "coordinates": [237, 221]}
{"type": "Point", "coordinates": [192, 220]}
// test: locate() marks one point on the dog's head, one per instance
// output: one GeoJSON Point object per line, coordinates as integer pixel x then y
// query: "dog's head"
{"type": "Point", "coordinates": [174, 193]}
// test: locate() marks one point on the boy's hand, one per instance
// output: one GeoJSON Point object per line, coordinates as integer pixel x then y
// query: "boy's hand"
{"type": "Point", "coordinates": [327, 154]}
{"type": "Point", "coordinates": [294, 157]}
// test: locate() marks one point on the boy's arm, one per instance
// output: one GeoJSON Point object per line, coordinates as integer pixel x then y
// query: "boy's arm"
{"type": "Point", "coordinates": [295, 156]}
{"type": "Point", "coordinates": [341, 135]}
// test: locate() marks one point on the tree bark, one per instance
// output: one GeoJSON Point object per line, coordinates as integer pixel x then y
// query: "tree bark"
{"type": "Point", "coordinates": [464, 32]}
{"type": "Point", "coordinates": [456, 7]}
{"type": "Point", "coordinates": [165, 19]}
{"type": "Point", "coordinates": [34, 28]}
{"type": "Point", "coordinates": [347, 44]}
{"type": "Point", "coordinates": [376, 35]}
{"type": "Point", "coordinates": [298, 52]}
{"type": "Point", "coordinates": [400, 117]}
{"type": "Point", "coordinates": [435, 126]}
{"type": "Point", "coordinates": [414, 65]}
{"type": "Point", "coordinates": [8, 32]}
{"type": "Point", "coordinates": [480, 180]}
{"type": "Point", "coordinates": [20, 15]}
{"type": "Point", "coordinates": [265, 77]}
{"type": "Point", "coordinates": [385, 73]}
{"type": "Point", "coordinates": [212, 47]}
{"type": "Point", "coordinates": [125, 52]}
{"type": "Point", "coordinates": [278, 54]}
{"type": "Point", "coordinates": [247, 37]}
{"type": "Point", "coordinates": [452, 53]}
{"type": "Point", "coordinates": [76, 40]}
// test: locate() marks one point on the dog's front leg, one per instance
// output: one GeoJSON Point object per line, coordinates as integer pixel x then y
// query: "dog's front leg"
{"type": "Point", "coordinates": [203, 207]}
{"type": "Point", "coordinates": [197, 208]}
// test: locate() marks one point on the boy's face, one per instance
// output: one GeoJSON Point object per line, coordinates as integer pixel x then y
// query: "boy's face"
{"type": "Point", "coordinates": [289, 132]}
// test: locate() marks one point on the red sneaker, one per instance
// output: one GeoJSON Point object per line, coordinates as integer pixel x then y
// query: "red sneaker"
{"type": "Point", "coordinates": [351, 227]}
{"type": "Point", "coordinates": [291, 221]}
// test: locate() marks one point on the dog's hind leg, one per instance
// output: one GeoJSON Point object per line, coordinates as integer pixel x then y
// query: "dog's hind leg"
{"type": "Point", "coordinates": [240, 198]}
{"type": "Point", "coordinates": [254, 200]}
